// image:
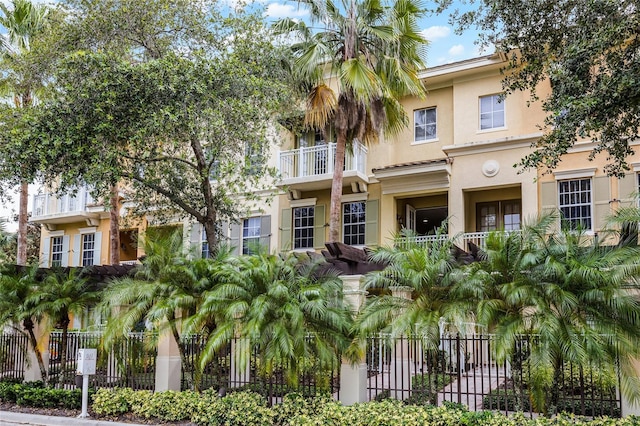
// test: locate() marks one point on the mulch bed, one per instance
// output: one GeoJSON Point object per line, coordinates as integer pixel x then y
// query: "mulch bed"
{"type": "Point", "coordinates": [62, 412]}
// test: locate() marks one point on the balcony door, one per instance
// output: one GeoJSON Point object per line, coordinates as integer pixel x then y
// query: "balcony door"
{"type": "Point", "coordinates": [497, 215]}
{"type": "Point", "coordinates": [425, 221]}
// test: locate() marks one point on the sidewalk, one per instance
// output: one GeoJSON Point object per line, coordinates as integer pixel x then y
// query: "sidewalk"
{"type": "Point", "coordinates": [9, 418]}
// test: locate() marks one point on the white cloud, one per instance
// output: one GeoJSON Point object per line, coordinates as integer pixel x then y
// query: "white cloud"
{"type": "Point", "coordinates": [279, 10]}
{"type": "Point", "coordinates": [435, 32]}
{"type": "Point", "coordinates": [456, 50]}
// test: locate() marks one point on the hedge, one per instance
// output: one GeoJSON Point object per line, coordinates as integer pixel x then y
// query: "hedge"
{"type": "Point", "coordinates": [35, 394]}
{"type": "Point", "coordinates": [249, 408]}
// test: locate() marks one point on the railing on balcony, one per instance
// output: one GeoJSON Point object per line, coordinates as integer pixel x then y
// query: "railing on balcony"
{"type": "Point", "coordinates": [49, 203]}
{"type": "Point", "coordinates": [477, 238]}
{"type": "Point", "coordinates": [320, 160]}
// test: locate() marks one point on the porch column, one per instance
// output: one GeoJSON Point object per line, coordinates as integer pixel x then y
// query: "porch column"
{"type": "Point", "coordinates": [627, 407]}
{"type": "Point", "coordinates": [32, 369]}
{"type": "Point", "coordinates": [400, 369]}
{"type": "Point", "coordinates": [168, 363]}
{"type": "Point", "coordinates": [353, 379]}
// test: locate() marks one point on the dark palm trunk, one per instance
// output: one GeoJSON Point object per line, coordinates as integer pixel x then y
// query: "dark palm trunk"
{"type": "Point", "coordinates": [336, 187]}
{"type": "Point", "coordinates": [192, 383]}
{"type": "Point", "coordinates": [28, 326]}
{"type": "Point", "coordinates": [114, 226]}
{"type": "Point", "coordinates": [21, 256]}
{"type": "Point", "coordinates": [63, 350]}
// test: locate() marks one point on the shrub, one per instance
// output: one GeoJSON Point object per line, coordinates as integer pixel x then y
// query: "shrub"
{"type": "Point", "coordinates": [168, 406]}
{"type": "Point", "coordinates": [238, 408]}
{"type": "Point", "coordinates": [112, 402]}
{"type": "Point", "coordinates": [34, 394]}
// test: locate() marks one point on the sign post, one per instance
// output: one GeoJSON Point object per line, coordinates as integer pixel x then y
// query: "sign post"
{"type": "Point", "coordinates": [86, 366]}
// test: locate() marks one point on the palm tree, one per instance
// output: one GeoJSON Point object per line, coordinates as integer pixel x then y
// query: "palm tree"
{"type": "Point", "coordinates": [63, 293]}
{"type": "Point", "coordinates": [573, 295]}
{"type": "Point", "coordinates": [288, 308]}
{"type": "Point", "coordinates": [166, 289]}
{"type": "Point", "coordinates": [424, 268]}
{"type": "Point", "coordinates": [24, 21]}
{"type": "Point", "coordinates": [17, 307]}
{"type": "Point", "coordinates": [372, 53]}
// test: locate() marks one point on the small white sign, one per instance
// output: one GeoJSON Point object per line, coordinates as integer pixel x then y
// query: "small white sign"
{"type": "Point", "coordinates": [87, 361]}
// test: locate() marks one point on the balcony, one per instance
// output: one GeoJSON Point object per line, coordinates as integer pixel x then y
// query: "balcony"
{"type": "Point", "coordinates": [311, 168]}
{"type": "Point", "coordinates": [52, 209]}
{"type": "Point", "coordinates": [462, 241]}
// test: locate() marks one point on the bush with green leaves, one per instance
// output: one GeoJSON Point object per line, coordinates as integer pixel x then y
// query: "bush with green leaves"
{"type": "Point", "coordinates": [35, 394]}
{"type": "Point", "coordinates": [116, 401]}
{"type": "Point", "coordinates": [248, 408]}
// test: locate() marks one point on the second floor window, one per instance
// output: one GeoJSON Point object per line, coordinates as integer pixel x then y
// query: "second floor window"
{"type": "Point", "coordinates": [491, 112]}
{"type": "Point", "coordinates": [303, 227]}
{"type": "Point", "coordinates": [56, 251]}
{"type": "Point", "coordinates": [424, 124]}
{"type": "Point", "coordinates": [205, 244]}
{"type": "Point", "coordinates": [575, 203]}
{"type": "Point", "coordinates": [88, 249]}
{"type": "Point", "coordinates": [353, 223]}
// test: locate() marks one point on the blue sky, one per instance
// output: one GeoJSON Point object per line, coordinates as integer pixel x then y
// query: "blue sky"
{"type": "Point", "coordinates": [445, 45]}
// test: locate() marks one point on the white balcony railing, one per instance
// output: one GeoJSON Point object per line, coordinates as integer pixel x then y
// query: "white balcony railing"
{"type": "Point", "coordinates": [477, 238]}
{"type": "Point", "coordinates": [50, 204]}
{"type": "Point", "coordinates": [320, 160]}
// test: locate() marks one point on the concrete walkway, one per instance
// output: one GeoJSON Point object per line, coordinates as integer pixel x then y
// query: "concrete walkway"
{"type": "Point", "coordinates": [9, 418]}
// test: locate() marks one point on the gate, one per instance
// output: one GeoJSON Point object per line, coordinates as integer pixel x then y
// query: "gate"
{"type": "Point", "coordinates": [462, 369]}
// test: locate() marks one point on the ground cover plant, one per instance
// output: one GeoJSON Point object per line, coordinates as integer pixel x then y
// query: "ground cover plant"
{"type": "Point", "coordinates": [248, 408]}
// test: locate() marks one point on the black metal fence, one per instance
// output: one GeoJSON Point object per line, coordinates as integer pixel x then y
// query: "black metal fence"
{"type": "Point", "coordinates": [13, 355]}
{"type": "Point", "coordinates": [462, 369]}
{"type": "Point", "coordinates": [131, 361]}
{"type": "Point", "coordinates": [237, 367]}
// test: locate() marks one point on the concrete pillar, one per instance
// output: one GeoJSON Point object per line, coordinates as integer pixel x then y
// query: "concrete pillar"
{"type": "Point", "coordinates": [32, 369]}
{"type": "Point", "coordinates": [240, 366]}
{"type": "Point", "coordinates": [400, 374]}
{"type": "Point", "coordinates": [353, 292]}
{"type": "Point", "coordinates": [168, 363]}
{"type": "Point", "coordinates": [353, 379]}
{"type": "Point", "coordinates": [629, 408]}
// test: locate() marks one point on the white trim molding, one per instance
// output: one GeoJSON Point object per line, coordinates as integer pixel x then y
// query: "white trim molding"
{"type": "Point", "coordinates": [303, 202]}
{"type": "Point", "coordinates": [575, 174]}
{"type": "Point", "coordinates": [360, 196]}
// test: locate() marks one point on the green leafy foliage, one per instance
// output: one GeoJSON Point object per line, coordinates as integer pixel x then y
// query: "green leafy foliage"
{"type": "Point", "coordinates": [35, 394]}
{"type": "Point", "coordinates": [246, 408]}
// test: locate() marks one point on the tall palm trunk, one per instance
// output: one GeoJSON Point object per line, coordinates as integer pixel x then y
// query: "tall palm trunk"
{"type": "Point", "coordinates": [21, 257]}
{"type": "Point", "coordinates": [63, 350]}
{"type": "Point", "coordinates": [336, 187]}
{"type": "Point", "coordinates": [28, 326]}
{"type": "Point", "coordinates": [114, 225]}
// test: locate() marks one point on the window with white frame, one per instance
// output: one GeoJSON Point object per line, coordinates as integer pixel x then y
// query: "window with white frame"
{"type": "Point", "coordinates": [253, 158]}
{"type": "Point", "coordinates": [353, 223]}
{"type": "Point", "coordinates": [56, 251]}
{"type": "Point", "coordinates": [575, 203]}
{"type": "Point", "coordinates": [303, 227]}
{"type": "Point", "coordinates": [424, 124]}
{"type": "Point", "coordinates": [491, 112]}
{"type": "Point", "coordinates": [250, 234]}
{"type": "Point", "coordinates": [205, 244]}
{"type": "Point", "coordinates": [88, 249]}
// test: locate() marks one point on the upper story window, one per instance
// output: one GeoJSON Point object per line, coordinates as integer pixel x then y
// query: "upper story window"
{"type": "Point", "coordinates": [56, 251]}
{"type": "Point", "coordinates": [205, 244]}
{"type": "Point", "coordinates": [88, 249]}
{"type": "Point", "coordinates": [250, 234]}
{"type": "Point", "coordinates": [353, 223]}
{"type": "Point", "coordinates": [253, 158]}
{"type": "Point", "coordinates": [491, 112]}
{"type": "Point", "coordinates": [424, 124]}
{"type": "Point", "coordinates": [303, 227]}
{"type": "Point", "coordinates": [575, 204]}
